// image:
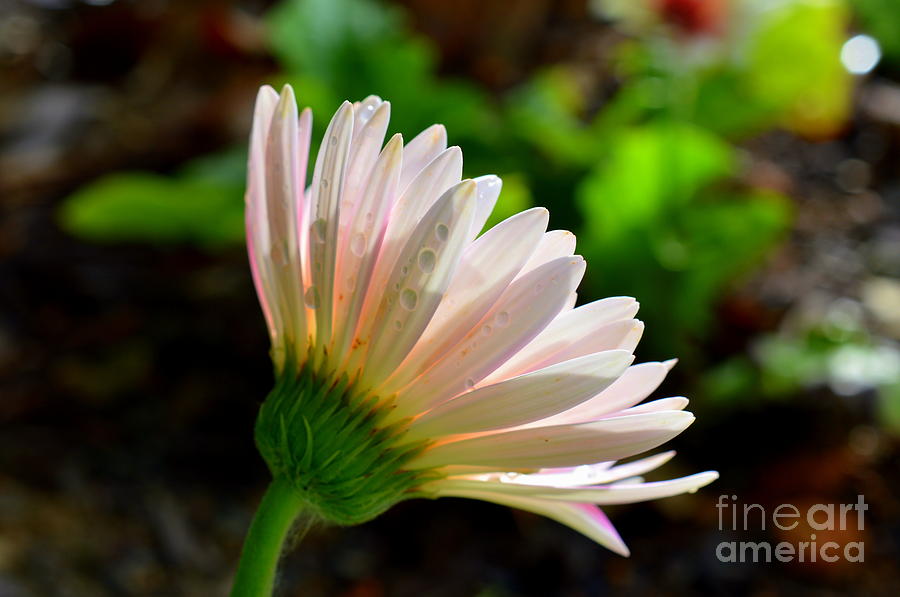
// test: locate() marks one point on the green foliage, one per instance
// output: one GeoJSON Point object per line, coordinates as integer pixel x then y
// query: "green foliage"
{"type": "Point", "coordinates": [655, 227]}
{"type": "Point", "coordinates": [195, 207]}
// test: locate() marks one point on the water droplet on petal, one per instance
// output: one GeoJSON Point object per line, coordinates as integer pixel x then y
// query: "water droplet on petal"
{"type": "Point", "coordinates": [350, 283]}
{"type": "Point", "coordinates": [427, 259]}
{"type": "Point", "coordinates": [311, 298]}
{"type": "Point", "coordinates": [358, 244]}
{"type": "Point", "coordinates": [319, 230]}
{"type": "Point", "coordinates": [470, 383]}
{"type": "Point", "coordinates": [398, 325]}
{"type": "Point", "coordinates": [324, 183]}
{"type": "Point", "coordinates": [404, 270]}
{"type": "Point", "coordinates": [441, 232]}
{"type": "Point", "coordinates": [409, 299]}
{"type": "Point", "coordinates": [501, 320]}
{"type": "Point", "coordinates": [369, 217]}
{"type": "Point", "coordinates": [486, 330]}
{"type": "Point", "coordinates": [333, 140]}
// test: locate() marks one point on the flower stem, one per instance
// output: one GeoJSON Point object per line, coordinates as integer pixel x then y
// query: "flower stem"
{"type": "Point", "coordinates": [278, 510]}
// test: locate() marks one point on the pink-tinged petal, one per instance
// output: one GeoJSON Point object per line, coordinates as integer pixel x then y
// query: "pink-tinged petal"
{"type": "Point", "coordinates": [525, 398]}
{"type": "Point", "coordinates": [560, 445]}
{"type": "Point", "coordinates": [628, 493]}
{"type": "Point", "coordinates": [521, 312]}
{"type": "Point", "coordinates": [487, 267]}
{"type": "Point", "coordinates": [326, 190]}
{"type": "Point", "coordinates": [554, 244]}
{"type": "Point", "coordinates": [363, 243]}
{"type": "Point", "coordinates": [605, 495]}
{"type": "Point", "coordinates": [489, 188]}
{"type": "Point", "coordinates": [674, 403]}
{"type": "Point", "coordinates": [587, 519]}
{"type": "Point", "coordinates": [420, 276]}
{"type": "Point", "coordinates": [362, 112]}
{"type": "Point", "coordinates": [584, 326]}
{"type": "Point", "coordinates": [419, 152]}
{"type": "Point", "coordinates": [593, 474]}
{"type": "Point", "coordinates": [638, 382]}
{"type": "Point", "coordinates": [284, 195]}
{"type": "Point", "coordinates": [256, 221]}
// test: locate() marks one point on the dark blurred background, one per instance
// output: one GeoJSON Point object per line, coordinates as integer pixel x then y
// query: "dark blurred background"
{"type": "Point", "coordinates": [734, 164]}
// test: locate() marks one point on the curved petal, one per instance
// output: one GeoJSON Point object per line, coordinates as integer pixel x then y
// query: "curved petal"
{"type": "Point", "coordinates": [420, 277]}
{"type": "Point", "coordinates": [487, 267]}
{"type": "Point", "coordinates": [560, 445]}
{"type": "Point", "coordinates": [521, 312]}
{"type": "Point", "coordinates": [424, 147]}
{"type": "Point", "coordinates": [523, 399]}
{"type": "Point", "coordinates": [554, 244]}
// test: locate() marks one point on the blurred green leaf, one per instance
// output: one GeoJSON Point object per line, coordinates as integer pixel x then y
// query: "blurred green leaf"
{"type": "Point", "coordinates": [139, 206]}
{"type": "Point", "coordinates": [515, 197]}
{"type": "Point", "coordinates": [794, 65]}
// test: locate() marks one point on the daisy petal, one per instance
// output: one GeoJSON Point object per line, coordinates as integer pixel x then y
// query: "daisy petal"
{"type": "Point", "coordinates": [588, 322]}
{"type": "Point", "coordinates": [634, 386]}
{"type": "Point", "coordinates": [525, 398]}
{"type": "Point", "coordinates": [594, 474]}
{"type": "Point", "coordinates": [560, 445]}
{"type": "Point", "coordinates": [363, 243]}
{"type": "Point", "coordinates": [421, 275]}
{"type": "Point", "coordinates": [326, 189]}
{"type": "Point", "coordinates": [528, 305]}
{"type": "Point", "coordinates": [424, 147]}
{"type": "Point", "coordinates": [488, 191]}
{"type": "Point", "coordinates": [487, 267]}
{"type": "Point", "coordinates": [554, 244]}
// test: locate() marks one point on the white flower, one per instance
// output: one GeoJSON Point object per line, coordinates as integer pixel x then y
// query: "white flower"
{"type": "Point", "coordinates": [418, 359]}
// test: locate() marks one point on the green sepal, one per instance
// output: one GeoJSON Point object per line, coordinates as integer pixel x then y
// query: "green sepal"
{"type": "Point", "coordinates": [319, 432]}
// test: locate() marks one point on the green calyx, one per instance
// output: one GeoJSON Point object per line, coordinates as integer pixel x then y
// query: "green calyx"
{"type": "Point", "coordinates": [319, 433]}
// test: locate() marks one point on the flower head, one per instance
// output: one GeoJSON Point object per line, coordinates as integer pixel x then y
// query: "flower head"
{"type": "Point", "coordinates": [415, 358]}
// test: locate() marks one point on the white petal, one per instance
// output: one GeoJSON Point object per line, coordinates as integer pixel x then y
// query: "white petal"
{"type": "Point", "coordinates": [326, 189]}
{"type": "Point", "coordinates": [256, 220]}
{"type": "Point", "coordinates": [523, 399]}
{"type": "Point", "coordinates": [591, 474]}
{"type": "Point", "coordinates": [560, 445]}
{"type": "Point", "coordinates": [285, 165]}
{"type": "Point", "coordinates": [587, 519]}
{"type": "Point", "coordinates": [638, 382]}
{"type": "Point", "coordinates": [487, 267]}
{"type": "Point", "coordinates": [363, 112]}
{"type": "Point", "coordinates": [363, 242]}
{"type": "Point", "coordinates": [489, 187]}
{"type": "Point", "coordinates": [554, 244]}
{"type": "Point", "coordinates": [675, 403]}
{"type": "Point", "coordinates": [420, 277]}
{"type": "Point", "coordinates": [617, 493]}
{"type": "Point", "coordinates": [419, 152]}
{"type": "Point", "coordinates": [579, 327]}
{"type": "Point", "coordinates": [521, 312]}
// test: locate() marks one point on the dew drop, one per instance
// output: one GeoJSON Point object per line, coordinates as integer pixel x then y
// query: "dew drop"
{"type": "Point", "coordinates": [441, 232]}
{"type": "Point", "coordinates": [358, 244]}
{"type": "Point", "coordinates": [350, 283]}
{"type": "Point", "coordinates": [318, 230]}
{"type": "Point", "coordinates": [311, 298]}
{"type": "Point", "coordinates": [324, 183]}
{"type": "Point", "coordinates": [408, 299]}
{"type": "Point", "coordinates": [486, 330]}
{"type": "Point", "coordinates": [501, 320]}
{"type": "Point", "coordinates": [470, 383]}
{"type": "Point", "coordinates": [397, 286]}
{"type": "Point", "coordinates": [427, 259]}
{"type": "Point", "coordinates": [369, 217]}
{"type": "Point", "coordinates": [333, 140]}
{"type": "Point", "coordinates": [398, 325]}
{"type": "Point", "coordinates": [404, 270]}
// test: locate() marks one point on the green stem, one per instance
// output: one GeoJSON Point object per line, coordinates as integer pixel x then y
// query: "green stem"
{"type": "Point", "coordinates": [278, 510]}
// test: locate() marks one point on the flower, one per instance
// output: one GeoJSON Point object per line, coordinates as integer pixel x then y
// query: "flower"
{"type": "Point", "coordinates": [415, 358]}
